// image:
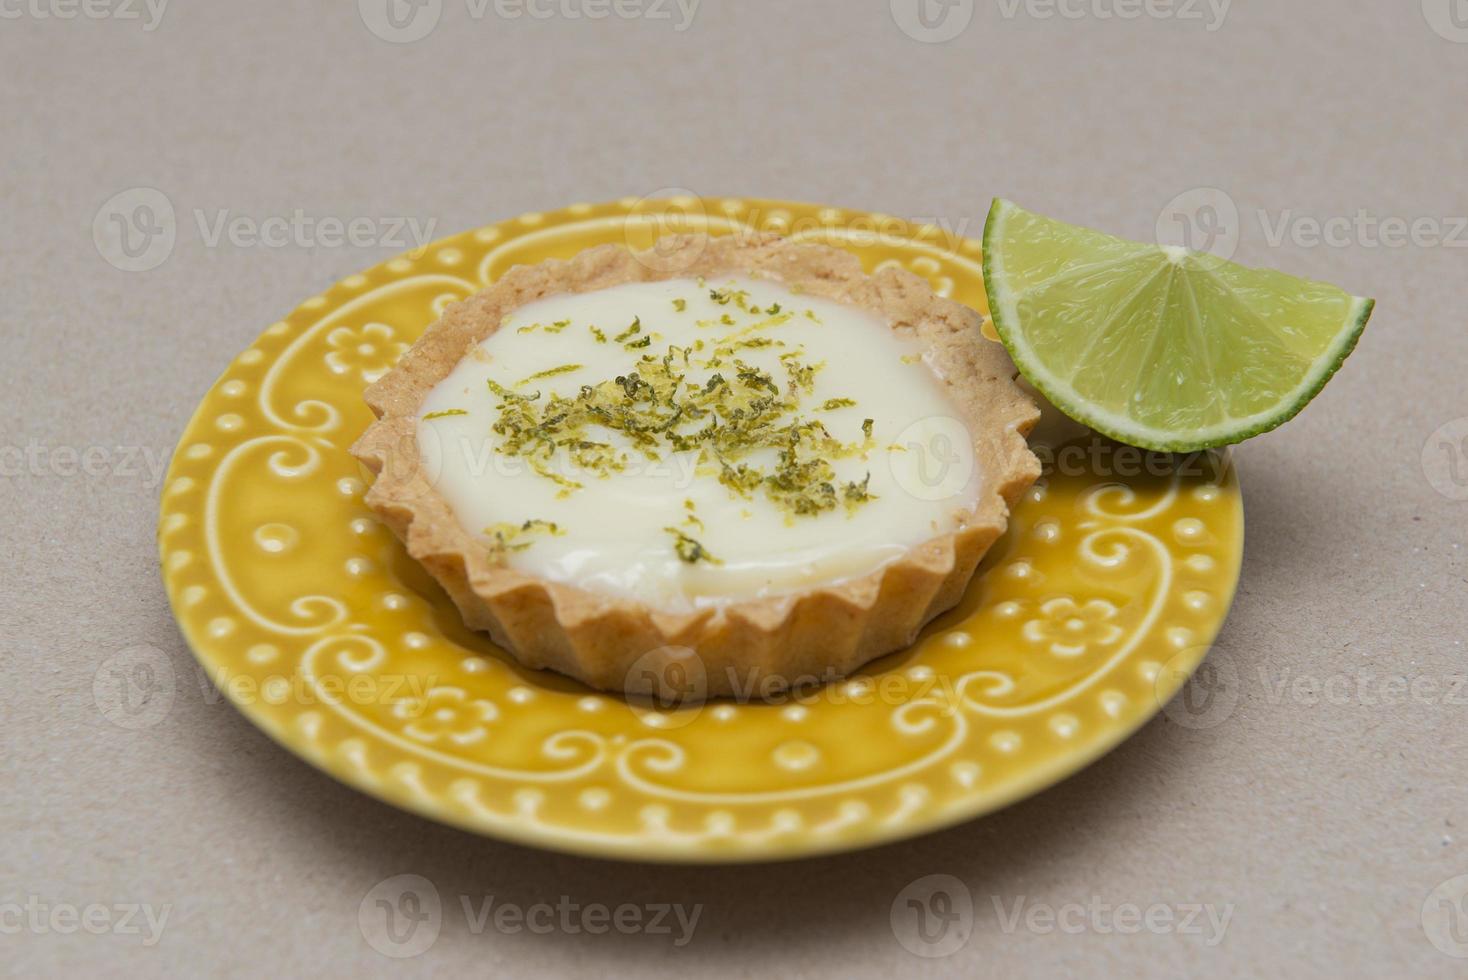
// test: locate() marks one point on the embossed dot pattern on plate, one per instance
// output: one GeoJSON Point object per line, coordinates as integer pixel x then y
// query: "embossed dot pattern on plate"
{"type": "Point", "coordinates": [353, 659]}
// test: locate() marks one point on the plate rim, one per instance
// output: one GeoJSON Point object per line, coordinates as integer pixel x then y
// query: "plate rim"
{"type": "Point", "coordinates": [1034, 779]}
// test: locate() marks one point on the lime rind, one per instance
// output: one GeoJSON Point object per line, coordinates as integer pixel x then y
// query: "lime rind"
{"type": "Point", "coordinates": [1004, 307]}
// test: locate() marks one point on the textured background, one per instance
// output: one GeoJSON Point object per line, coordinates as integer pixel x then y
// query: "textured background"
{"type": "Point", "coordinates": [1325, 809]}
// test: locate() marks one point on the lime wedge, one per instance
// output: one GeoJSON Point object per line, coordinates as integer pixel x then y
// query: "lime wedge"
{"type": "Point", "coordinates": [1158, 346]}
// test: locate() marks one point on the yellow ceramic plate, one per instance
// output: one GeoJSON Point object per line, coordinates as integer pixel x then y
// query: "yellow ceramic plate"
{"type": "Point", "coordinates": [1115, 576]}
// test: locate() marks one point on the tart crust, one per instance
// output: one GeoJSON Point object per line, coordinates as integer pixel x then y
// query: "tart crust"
{"type": "Point", "coordinates": [760, 644]}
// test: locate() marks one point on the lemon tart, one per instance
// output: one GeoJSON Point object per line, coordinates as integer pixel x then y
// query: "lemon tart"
{"type": "Point", "coordinates": [739, 455]}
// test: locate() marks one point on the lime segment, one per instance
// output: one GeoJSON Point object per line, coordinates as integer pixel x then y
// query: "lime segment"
{"type": "Point", "coordinates": [1158, 346]}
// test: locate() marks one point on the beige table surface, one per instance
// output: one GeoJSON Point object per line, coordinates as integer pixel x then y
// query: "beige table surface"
{"type": "Point", "coordinates": [1322, 814]}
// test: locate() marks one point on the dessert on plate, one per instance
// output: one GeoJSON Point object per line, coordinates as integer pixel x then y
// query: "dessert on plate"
{"type": "Point", "coordinates": [740, 455]}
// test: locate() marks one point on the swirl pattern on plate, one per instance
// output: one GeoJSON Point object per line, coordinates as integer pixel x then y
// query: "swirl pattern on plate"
{"type": "Point", "coordinates": [1083, 621]}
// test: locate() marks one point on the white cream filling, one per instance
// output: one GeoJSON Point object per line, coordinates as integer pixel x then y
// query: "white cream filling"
{"type": "Point", "coordinates": [611, 535]}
